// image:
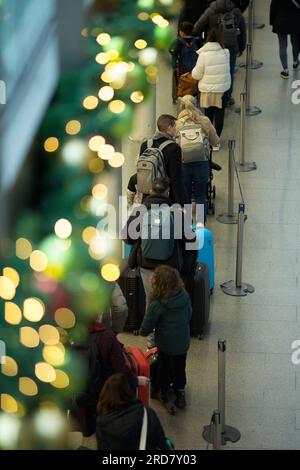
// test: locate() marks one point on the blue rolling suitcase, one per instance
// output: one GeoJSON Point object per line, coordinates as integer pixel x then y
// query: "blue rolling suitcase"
{"type": "Point", "coordinates": [126, 251]}
{"type": "Point", "coordinates": [206, 253]}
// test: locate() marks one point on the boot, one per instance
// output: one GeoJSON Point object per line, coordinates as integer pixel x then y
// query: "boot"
{"type": "Point", "coordinates": [180, 401]}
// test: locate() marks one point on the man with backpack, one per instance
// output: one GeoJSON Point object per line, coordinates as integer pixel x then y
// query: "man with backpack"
{"type": "Point", "coordinates": [228, 21]}
{"type": "Point", "coordinates": [161, 157]}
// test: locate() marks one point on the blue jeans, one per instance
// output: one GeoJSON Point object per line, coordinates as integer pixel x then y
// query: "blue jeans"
{"type": "Point", "coordinates": [197, 175]}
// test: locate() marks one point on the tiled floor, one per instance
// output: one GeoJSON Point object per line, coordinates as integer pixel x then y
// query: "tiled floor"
{"type": "Point", "coordinates": [263, 386]}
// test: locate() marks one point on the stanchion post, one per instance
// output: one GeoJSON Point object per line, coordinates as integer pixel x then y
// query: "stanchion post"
{"type": "Point", "coordinates": [254, 64]}
{"type": "Point", "coordinates": [217, 435]}
{"type": "Point", "coordinates": [230, 217]}
{"type": "Point", "coordinates": [228, 433]}
{"type": "Point", "coordinates": [243, 166]}
{"type": "Point", "coordinates": [256, 25]}
{"type": "Point", "coordinates": [238, 288]}
{"type": "Point", "coordinates": [250, 110]}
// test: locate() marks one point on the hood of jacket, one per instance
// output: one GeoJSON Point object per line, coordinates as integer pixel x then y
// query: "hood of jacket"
{"type": "Point", "coordinates": [210, 47]}
{"type": "Point", "coordinates": [125, 422]}
{"type": "Point", "coordinates": [178, 300]}
{"type": "Point", "coordinates": [222, 6]}
{"type": "Point", "coordinates": [156, 199]}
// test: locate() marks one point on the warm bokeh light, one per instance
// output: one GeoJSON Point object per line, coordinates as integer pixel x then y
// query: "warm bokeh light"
{"type": "Point", "coordinates": [102, 58]}
{"type": "Point", "coordinates": [51, 144]}
{"type": "Point", "coordinates": [28, 387]}
{"type": "Point", "coordinates": [74, 152]}
{"type": "Point", "coordinates": [49, 423]}
{"type": "Point", "coordinates": [29, 337]}
{"type": "Point", "coordinates": [113, 54]}
{"type": "Point", "coordinates": [96, 165]}
{"type": "Point", "coordinates": [137, 96]}
{"type": "Point", "coordinates": [33, 309]}
{"type": "Point", "coordinates": [96, 142]}
{"type": "Point", "coordinates": [103, 39]}
{"type": "Point", "coordinates": [23, 248]}
{"type": "Point", "coordinates": [140, 44]}
{"type": "Point", "coordinates": [49, 335]}
{"type": "Point", "coordinates": [117, 160]}
{"type": "Point", "coordinates": [85, 32]}
{"type": "Point", "coordinates": [54, 355]}
{"type": "Point", "coordinates": [90, 102]}
{"type": "Point", "coordinates": [100, 191]}
{"type": "Point", "coordinates": [8, 404]}
{"type": "Point", "coordinates": [38, 261]}
{"type": "Point", "coordinates": [62, 380]}
{"type": "Point", "coordinates": [63, 228]}
{"type": "Point", "coordinates": [10, 427]}
{"type": "Point", "coordinates": [7, 288]}
{"type": "Point", "coordinates": [88, 234]}
{"type": "Point", "coordinates": [9, 366]}
{"type": "Point", "coordinates": [117, 106]}
{"type": "Point", "coordinates": [73, 127]}
{"type": "Point", "coordinates": [106, 93]}
{"type": "Point", "coordinates": [65, 318]}
{"type": "Point", "coordinates": [110, 272]}
{"type": "Point", "coordinates": [12, 274]}
{"type": "Point", "coordinates": [143, 16]}
{"type": "Point", "coordinates": [106, 152]}
{"type": "Point", "coordinates": [148, 56]}
{"type": "Point", "coordinates": [12, 313]}
{"type": "Point", "coordinates": [45, 372]}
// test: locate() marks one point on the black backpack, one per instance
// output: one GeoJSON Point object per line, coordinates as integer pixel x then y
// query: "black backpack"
{"type": "Point", "coordinates": [228, 29]}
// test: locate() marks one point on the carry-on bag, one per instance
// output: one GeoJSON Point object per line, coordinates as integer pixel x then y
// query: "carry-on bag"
{"type": "Point", "coordinates": [140, 366]}
{"type": "Point", "coordinates": [133, 289]}
{"type": "Point", "coordinates": [199, 291]}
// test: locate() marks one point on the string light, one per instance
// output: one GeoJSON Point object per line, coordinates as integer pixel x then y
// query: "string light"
{"type": "Point", "coordinates": [100, 191]}
{"type": "Point", "coordinates": [148, 56]}
{"type": "Point", "coordinates": [102, 58]}
{"type": "Point", "coordinates": [65, 318]}
{"type": "Point", "coordinates": [85, 32]}
{"type": "Point", "coordinates": [28, 387]}
{"type": "Point", "coordinates": [62, 380]}
{"type": "Point", "coordinates": [9, 367]}
{"type": "Point", "coordinates": [90, 102]}
{"type": "Point", "coordinates": [49, 335]}
{"type": "Point", "coordinates": [45, 372]}
{"type": "Point", "coordinates": [12, 313]}
{"type": "Point", "coordinates": [110, 272]}
{"type": "Point", "coordinates": [8, 404]}
{"type": "Point", "coordinates": [75, 152]}
{"type": "Point", "coordinates": [33, 309]}
{"type": "Point", "coordinates": [54, 355]}
{"type": "Point", "coordinates": [113, 54]}
{"type": "Point", "coordinates": [96, 142]}
{"type": "Point", "coordinates": [117, 160]}
{"type": "Point", "coordinates": [103, 39]}
{"type": "Point", "coordinates": [106, 93]}
{"type": "Point", "coordinates": [96, 165]}
{"type": "Point", "coordinates": [38, 261]}
{"type": "Point", "coordinates": [140, 44]}
{"type": "Point", "coordinates": [63, 228]}
{"type": "Point", "coordinates": [73, 127]}
{"type": "Point", "coordinates": [137, 96]}
{"type": "Point", "coordinates": [29, 337]}
{"type": "Point", "coordinates": [7, 288]}
{"type": "Point", "coordinates": [51, 144]}
{"type": "Point", "coordinates": [143, 16]}
{"type": "Point", "coordinates": [88, 234]}
{"type": "Point", "coordinates": [23, 248]}
{"type": "Point", "coordinates": [117, 106]}
{"type": "Point", "coordinates": [106, 152]}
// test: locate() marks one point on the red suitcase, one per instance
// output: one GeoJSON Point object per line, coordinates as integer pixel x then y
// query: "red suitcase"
{"type": "Point", "coordinates": [140, 366]}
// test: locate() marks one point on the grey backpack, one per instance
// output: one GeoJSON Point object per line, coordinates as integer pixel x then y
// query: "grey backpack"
{"type": "Point", "coordinates": [151, 165]}
{"type": "Point", "coordinates": [228, 28]}
{"type": "Point", "coordinates": [194, 143]}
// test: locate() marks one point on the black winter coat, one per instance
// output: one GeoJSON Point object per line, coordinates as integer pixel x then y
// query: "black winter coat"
{"type": "Point", "coordinates": [173, 162]}
{"type": "Point", "coordinates": [285, 17]}
{"type": "Point", "coordinates": [121, 430]}
{"type": "Point", "coordinates": [242, 5]}
{"type": "Point", "coordinates": [210, 17]}
{"type": "Point", "coordinates": [192, 10]}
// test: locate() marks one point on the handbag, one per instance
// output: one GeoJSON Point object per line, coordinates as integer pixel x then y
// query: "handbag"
{"type": "Point", "coordinates": [187, 85]}
{"type": "Point", "coordinates": [144, 431]}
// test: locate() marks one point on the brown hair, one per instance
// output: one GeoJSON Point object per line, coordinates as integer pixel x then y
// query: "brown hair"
{"type": "Point", "coordinates": [164, 121]}
{"type": "Point", "coordinates": [115, 394]}
{"type": "Point", "coordinates": [214, 36]}
{"type": "Point", "coordinates": [166, 281]}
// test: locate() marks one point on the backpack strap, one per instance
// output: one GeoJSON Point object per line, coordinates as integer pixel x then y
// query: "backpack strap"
{"type": "Point", "coordinates": [165, 144]}
{"type": "Point", "coordinates": [149, 143]}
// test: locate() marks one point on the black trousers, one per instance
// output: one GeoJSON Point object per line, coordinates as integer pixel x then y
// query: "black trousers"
{"type": "Point", "coordinates": [172, 371]}
{"type": "Point", "coordinates": [217, 117]}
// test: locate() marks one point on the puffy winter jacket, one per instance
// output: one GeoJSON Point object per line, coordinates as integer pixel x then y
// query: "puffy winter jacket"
{"type": "Point", "coordinates": [213, 69]}
{"type": "Point", "coordinates": [119, 309]}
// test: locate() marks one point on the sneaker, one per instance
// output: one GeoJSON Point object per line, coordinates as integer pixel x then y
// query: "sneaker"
{"type": "Point", "coordinates": [285, 74]}
{"type": "Point", "coordinates": [296, 64]}
{"type": "Point", "coordinates": [215, 166]}
{"type": "Point", "coordinates": [180, 401]}
{"type": "Point", "coordinates": [167, 403]}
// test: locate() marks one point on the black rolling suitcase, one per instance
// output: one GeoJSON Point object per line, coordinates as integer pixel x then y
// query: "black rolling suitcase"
{"type": "Point", "coordinates": [199, 290]}
{"type": "Point", "coordinates": [133, 289]}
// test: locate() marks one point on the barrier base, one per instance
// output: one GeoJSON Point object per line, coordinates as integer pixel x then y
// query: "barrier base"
{"type": "Point", "coordinates": [230, 434]}
{"type": "Point", "coordinates": [230, 288]}
{"type": "Point", "coordinates": [258, 25]}
{"type": "Point", "coordinates": [227, 218]}
{"type": "Point", "coordinates": [255, 64]}
{"type": "Point", "coordinates": [253, 111]}
{"type": "Point", "coordinates": [247, 166]}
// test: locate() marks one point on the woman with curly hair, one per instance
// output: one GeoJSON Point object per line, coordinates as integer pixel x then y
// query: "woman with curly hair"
{"type": "Point", "coordinates": [169, 313]}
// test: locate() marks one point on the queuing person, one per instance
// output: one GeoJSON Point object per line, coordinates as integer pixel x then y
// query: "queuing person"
{"type": "Point", "coordinates": [192, 10]}
{"type": "Point", "coordinates": [242, 5]}
{"type": "Point", "coordinates": [120, 419]}
{"type": "Point", "coordinates": [184, 50]}
{"type": "Point", "coordinates": [133, 195]}
{"type": "Point", "coordinates": [285, 19]}
{"type": "Point", "coordinates": [196, 174]}
{"type": "Point", "coordinates": [149, 251]}
{"type": "Point", "coordinates": [172, 156]}
{"type": "Point", "coordinates": [213, 73]}
{"type": "Point", "coordinates": [169, 314]}
{"type": "Point", "coordinates": [230, 25]}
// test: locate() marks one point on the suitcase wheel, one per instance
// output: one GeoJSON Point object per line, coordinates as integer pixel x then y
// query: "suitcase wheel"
{"type": "Point", "coordinates": [200, 337]}
{"type": "Point", "coordinates": [211, 291]}
{"type": "Point", "coordinates": [211, 209]}
{"type": "Point", "coordinates": [135, 332]}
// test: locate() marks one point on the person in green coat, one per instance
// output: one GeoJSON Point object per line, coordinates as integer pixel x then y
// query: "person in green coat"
{"type": "Point", "coordinates": [169, 314]}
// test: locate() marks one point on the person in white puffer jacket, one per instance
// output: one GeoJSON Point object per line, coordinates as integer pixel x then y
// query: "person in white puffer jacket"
{"type": "Point", "coordinates": [213, 74]}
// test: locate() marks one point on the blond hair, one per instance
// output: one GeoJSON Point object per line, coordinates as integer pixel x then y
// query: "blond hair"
{"type": "Point", "coordinates": [188, 104]}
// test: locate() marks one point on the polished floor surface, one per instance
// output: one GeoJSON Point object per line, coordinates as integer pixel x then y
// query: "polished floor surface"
{"type": "Point", "coordinates": [262, 384]}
